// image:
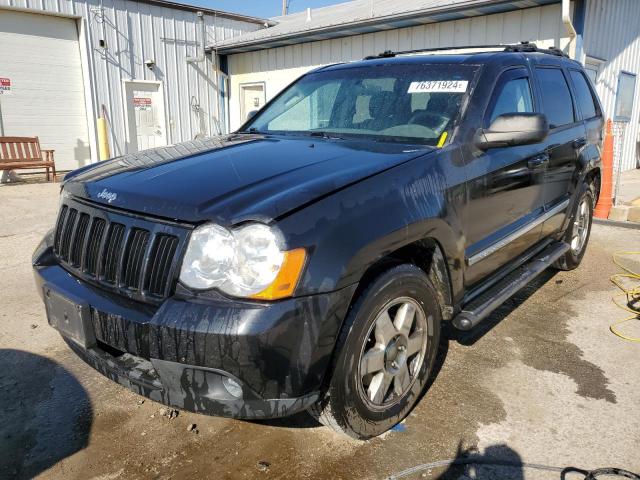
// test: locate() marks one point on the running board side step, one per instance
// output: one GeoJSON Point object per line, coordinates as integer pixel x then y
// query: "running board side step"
{"type": "Point", "coordinates": [480, 308]}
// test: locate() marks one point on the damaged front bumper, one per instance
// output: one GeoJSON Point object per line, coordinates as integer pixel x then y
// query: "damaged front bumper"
{"type": "Point", "coordinates": [216, 356]}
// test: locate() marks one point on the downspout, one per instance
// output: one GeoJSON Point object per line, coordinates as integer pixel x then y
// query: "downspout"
{"type": "Point", "coordinates": [201, 56]}
{"type": "Point", "coordinates": [568, 24]}
{"type": "Point", "coordinates": [217, 121]}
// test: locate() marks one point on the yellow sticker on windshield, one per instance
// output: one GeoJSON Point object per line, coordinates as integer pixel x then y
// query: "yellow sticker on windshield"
{"type": "Point", "coordinates": [439, 86]}
{"type": "Point", "coordinates": [443, 138]}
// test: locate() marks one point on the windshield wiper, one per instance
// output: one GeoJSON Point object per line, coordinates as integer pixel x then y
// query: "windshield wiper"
{"type": "Point", "coordinates": [250, 130]}
{"type": "Point", "coordinates": [320, 133]}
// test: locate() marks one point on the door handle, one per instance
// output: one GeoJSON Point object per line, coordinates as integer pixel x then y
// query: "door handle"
{"type": "Point", "coordinates": [539, 161]}
{"type": "Point", "coordinates": [579, 143]}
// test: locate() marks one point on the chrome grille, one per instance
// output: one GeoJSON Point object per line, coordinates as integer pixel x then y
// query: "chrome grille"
{"type": "Point", "coordinates": [131, 254]}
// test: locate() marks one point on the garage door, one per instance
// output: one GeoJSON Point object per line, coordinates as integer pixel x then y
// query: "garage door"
{"type": "Point", "coordinates": [41, 57]}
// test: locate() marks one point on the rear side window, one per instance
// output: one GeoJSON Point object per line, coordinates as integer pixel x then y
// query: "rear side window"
{"type": "Point", "coordinates": [556, 97]}
{"type": "Point", "coordinates": [584, 96]}
{"type": "Point", "coordinates": [513, 97]}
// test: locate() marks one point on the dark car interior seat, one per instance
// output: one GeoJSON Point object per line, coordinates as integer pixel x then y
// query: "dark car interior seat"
{"type": "Point", "coordinates": [380, 105]}
{"type": "Point", "coordinates": [437, 113]}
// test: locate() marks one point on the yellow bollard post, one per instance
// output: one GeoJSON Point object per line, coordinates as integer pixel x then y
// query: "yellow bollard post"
{"type": "Point", "coordinates": [103, 139]}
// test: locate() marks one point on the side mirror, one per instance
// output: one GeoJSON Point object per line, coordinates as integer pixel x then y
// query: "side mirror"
{"type": "Point", "coordinates": [511, 129]}
{"type": "Point", "coordinates": [250, 115]}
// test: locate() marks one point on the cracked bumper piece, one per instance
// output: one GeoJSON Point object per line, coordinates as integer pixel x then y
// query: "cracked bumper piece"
{"type": "Point", "coordinates": [186, 386]}
{"type": "Point", "coordinates": [214, 356]}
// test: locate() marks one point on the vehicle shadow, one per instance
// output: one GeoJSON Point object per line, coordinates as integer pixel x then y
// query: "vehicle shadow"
{"type": "Point", "coordinates": [45, 414]}
{"type": "Point", "coordinates": [484, 327]}
{"type": "Point", "coordinates": [298, 420]}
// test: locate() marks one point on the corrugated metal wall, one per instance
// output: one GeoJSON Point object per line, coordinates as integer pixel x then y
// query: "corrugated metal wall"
{"type": "Point", "coordinates": [135, 32]}
{"type": "Point", "coordinates": [277, 67]}
{"type": "Point", "coordinates": [612, 34]}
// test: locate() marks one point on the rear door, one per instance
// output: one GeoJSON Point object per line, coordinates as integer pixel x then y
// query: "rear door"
{"type": "Point", "coordinates": [505, 193]}
{"type": "Point", "coordinates": [590, 112]}
{"type": "Point", "coordinates": [567, 137]}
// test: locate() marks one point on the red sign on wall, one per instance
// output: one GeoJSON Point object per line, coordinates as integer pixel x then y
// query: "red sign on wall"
{"type": "Point", "coordinates": [141, 103]}
{"type": "Point", "coordinates": [5, 86]}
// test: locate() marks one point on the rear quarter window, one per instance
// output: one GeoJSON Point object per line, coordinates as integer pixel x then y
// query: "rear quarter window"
{"type": "Point", "coordinates": [556, 96]}
{"type": "Point", "coordinates": [584, 95]}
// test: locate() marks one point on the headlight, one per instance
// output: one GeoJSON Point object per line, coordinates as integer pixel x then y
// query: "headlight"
{"type": "Point", "coordinates": [209, 258]}
{"type": "Point", "coordinates": [244, 262]}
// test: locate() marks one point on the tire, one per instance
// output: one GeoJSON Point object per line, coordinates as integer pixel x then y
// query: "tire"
{"type": "Point", "coordinates": [355, 402]}
{"type": "Point", "coordinates": [579, 227]}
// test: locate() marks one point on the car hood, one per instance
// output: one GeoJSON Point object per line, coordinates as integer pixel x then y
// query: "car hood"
{"type": "Point", "coordinates": [234, 178]}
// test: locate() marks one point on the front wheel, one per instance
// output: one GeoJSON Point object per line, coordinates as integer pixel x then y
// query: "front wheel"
{"type": "Point", "coordinates": [578, 232]}
{"type": "Point", "coordinates": [385, 352]}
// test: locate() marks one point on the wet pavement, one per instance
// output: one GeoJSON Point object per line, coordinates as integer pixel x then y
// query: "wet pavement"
{"type": "Point", "coordinates": [543, 383]}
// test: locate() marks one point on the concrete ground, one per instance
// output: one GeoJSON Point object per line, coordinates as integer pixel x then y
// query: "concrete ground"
{"type": "Point", "coordinates": [543, 382]}
{"type": "Point", "coordinates": [629, 186]}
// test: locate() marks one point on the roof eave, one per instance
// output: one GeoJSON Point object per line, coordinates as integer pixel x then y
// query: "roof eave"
{"type": "Point", "coordinates": [388, 22]}
{"type": "Point", "coordinates": [209, 11]}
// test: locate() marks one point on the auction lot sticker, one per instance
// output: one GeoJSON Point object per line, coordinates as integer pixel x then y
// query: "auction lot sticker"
{"type": "Point", "coordinates": [439, 86]}
{"type": "Point", "coordinates": [5, 86]}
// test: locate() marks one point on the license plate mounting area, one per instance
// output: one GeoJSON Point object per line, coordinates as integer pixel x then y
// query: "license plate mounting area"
{"type": "Point", "coordinates": [71, 317]}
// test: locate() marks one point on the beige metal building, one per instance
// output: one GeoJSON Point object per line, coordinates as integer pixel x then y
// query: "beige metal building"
{"type": "Point", "coordinates": [603, 34]}
{"type": "Point", "coordinates": [141, 64]}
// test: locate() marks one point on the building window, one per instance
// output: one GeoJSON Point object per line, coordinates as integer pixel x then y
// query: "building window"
{"type": "Point", "coordinates": [624, 97]}
{"type": "Point", "coordinates": [592, 67]}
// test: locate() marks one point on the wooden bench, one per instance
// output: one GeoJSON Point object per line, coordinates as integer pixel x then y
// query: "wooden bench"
{"type": "Point", "coordinates": [25, 152]}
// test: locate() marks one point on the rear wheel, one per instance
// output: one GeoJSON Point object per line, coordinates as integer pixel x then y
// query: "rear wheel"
{"type": "Point", "coordinates": [384, 355]}
{"type": "Point", "coordinates": [578, 232]}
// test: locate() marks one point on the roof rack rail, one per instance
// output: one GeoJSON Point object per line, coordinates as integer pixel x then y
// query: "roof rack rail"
{"type": "Point", "coordinates": [524, 47]}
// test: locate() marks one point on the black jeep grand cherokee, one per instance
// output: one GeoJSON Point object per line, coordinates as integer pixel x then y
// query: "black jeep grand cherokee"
{"type": "Point", "coordinates": [308, 260]}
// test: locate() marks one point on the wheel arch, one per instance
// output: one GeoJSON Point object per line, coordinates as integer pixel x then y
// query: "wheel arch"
{"type": "Point", "coordinates": [428, 255]}
{"type": "Point", "coordinates": [594, 176]}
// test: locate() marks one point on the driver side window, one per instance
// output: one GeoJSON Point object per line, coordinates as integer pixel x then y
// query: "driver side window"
{"type": "Point", "coordinates": [307, 111]}
{"type": "Point", "coordinates": [513, 96]}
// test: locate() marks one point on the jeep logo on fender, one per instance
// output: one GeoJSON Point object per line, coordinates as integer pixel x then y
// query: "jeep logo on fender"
{"type": "Point", "coordinates": [107, 195]}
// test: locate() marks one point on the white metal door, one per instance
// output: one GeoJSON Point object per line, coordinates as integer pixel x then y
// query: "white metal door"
{"type": "Point", "coordinates": [40, 58]}
{"type": "Point", "coordinates": [252, 98]}
{"type": "Point", "coordinates": [145, 115]}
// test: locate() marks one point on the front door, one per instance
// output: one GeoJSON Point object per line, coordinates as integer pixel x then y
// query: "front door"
{"type": "Point", "coordinates": [505, 187]}
{"type": "Point", "coordinates": [145, 116]}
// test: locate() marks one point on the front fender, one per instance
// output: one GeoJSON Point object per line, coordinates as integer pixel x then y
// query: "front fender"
{"type": "Point", "coordinates": [349, 231]}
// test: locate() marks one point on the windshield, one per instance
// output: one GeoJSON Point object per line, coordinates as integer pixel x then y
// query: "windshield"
{"type": "Point", "coordinates": [401, 103]}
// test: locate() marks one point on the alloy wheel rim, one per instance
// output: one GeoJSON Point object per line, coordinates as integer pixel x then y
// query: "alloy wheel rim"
{"type": "Point", "coordinates": [393, 352]}
{"type": "Point", "coordinates": [580, 227]}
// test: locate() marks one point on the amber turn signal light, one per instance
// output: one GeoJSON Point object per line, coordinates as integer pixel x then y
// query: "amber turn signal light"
{"type": "Point", "coordinates": [285, 283]}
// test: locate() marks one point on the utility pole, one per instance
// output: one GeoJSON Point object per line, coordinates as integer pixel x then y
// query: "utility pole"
{"type": "Point", "coordinates": [285, 7]}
